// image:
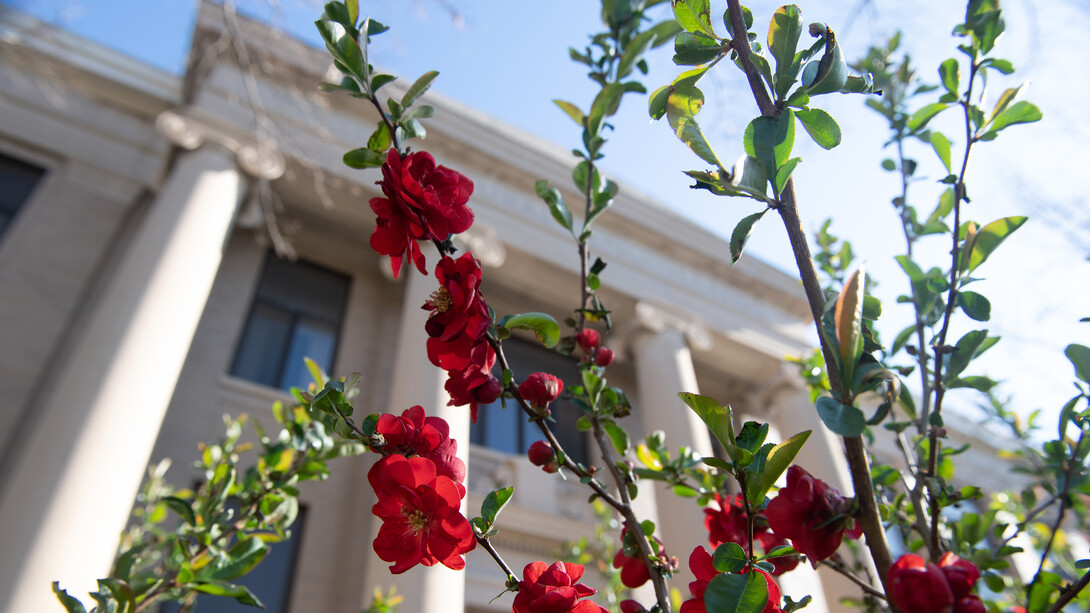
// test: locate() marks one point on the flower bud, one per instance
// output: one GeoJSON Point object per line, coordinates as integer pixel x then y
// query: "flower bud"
{"type": "Point", "coordinates": [540, 389]}
{"type": "Point", "coordinates": [489, 391]}
{"type": "Point", "coordinates": [588, 339]}
{"type": "Point", "coordinates": [631, 606]}
{"type": "Point", "coordinates": [961, 574]}
{"type": "Point", "coordinates": [918, 586]}
{"type": "Point", "coordinates": [603, 356]}
{"type": "Point", "coordinates": [540, 453]}
{"type": "Point", "coordinates": [971, 604]}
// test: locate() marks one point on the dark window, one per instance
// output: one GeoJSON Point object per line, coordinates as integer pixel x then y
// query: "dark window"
{"type": "Point", "coordinates": [17, 181]}
{"type": "Point", "coordinates": [296, 313]}
{"type": "Point", "coordinates": [509, 430]}
{"type": "Point", "coordinates": [270, 580]}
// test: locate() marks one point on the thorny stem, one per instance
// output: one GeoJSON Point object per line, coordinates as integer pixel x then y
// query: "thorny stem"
{"type": "Point", "coordinates": [1069, 593]}
{"type": "Point", "coordinates": [868, 517]}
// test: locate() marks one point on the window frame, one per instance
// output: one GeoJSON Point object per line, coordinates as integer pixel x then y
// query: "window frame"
{"type": "Point", "coordinates": [29, 162]}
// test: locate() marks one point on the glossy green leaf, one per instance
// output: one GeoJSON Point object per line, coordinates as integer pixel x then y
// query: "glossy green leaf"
{"type": "Point", "coordinates": [830, 73]}
{"type": "Point", "coordinates": [572, 111]}
{"type": "Point", "coordinates": [242, 557]}
{"type": "Point", "coordinates": [717, 417]}
{"type": "Point", "coordinates": [1019, 112]}
{"type": "Point", "coordinates": [920, 118]}
{"type": "Point", "coordinates": [779, 460]}
{"type": "Point", "coordinates": [845, 420]}
{"type": "Point", "coordinates": [984, 19]}
{"type": "Point", "coordinates": [182, 508]}
{"type": "Point", "coordinates": [363, 158]}
{"type": "Point", "coordinates": [783, 38]}
{"type": "Point", "coordinates": [71, 604]}
{"type": "Point", "coordinates": [975, 305]}
{"type": "Point", "coordinates": [989, 238]}
{"type": "Point", "coordinates": [695, 49]}
{"type": "Point", "coordinates": [967, 348]}
{"type": "Point", "coordinates": [418, 88]}
{"type": "Point", "coordinates": [343, 48]}
{"type": "Point", "coordinates": [729, 593]}
{"type": "Point", "coordinates": [941, 145]}
{"type": "Point", "coordinates": [633, 51]}
{"type": "Point", "coordinates": [683, 104]}
{"type": "Point", "coordinates": [379, 141]}
{"type": "Point", "coordinates": [1080, 359]}
{"type": "Point", "coordinates": [555, 201]}
{"type": "Point", "coordinates": [770, 140]}
{"type": "Point", "coordinates": [783, 175]}
{"type": "Point", "coordinates": [580, 177]}
{"type": "Point", "coordinates": [729, 558]}
{"type": "Point", "coordinates": [949, 73]}
{"type": "Point", "coordinates": [664, 32]}
{"type": "Point", "coordinates": [240, 593]}
{"type": "Point", "coordinates": [694, 16]}
{"type": "Point", "coordinates": [618, 435]}
{"type": "Point", "coordinates": [821, 127]}
{"type": "Point", "coordinates": [494, 502]}
{"type": "Point", "coordinates": [542, 324]}
{"type": "Point", "coordinates": [605, 104]}
{"type": "Point", "coordinates": [120, 593]}
{"type": "Point", "coordinates": [741, 234]}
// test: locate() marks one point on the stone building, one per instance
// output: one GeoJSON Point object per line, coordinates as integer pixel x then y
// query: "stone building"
{"type": "Point", "coordinates": [141, 300]}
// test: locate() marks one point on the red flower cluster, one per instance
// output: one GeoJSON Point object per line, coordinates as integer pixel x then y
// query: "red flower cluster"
{"type": "Point", "coordinates": [589, 341]}
{"type": "Point", "coordinates": [413, 434]}
{"type": "Point", "coordinates": [727, 524]}
{"type": "Point", "coordinates": [539, 390]}
{"type": "Point", "coordinates": [700, 563]}
{"type": "Point", "coordinates": [419, 510]}
{"type": "Point", "coordinates": [456, 328]}
{"type": "Point", "coordinates": [812, 514]}
{"type": "Point", "coordinates": [421, 201]}
{"type": "Point", "coordinates": [918, 586]}
{"type": "Point", "coordinates": [634, 572]}
{"type": "Point", "coordinates": [553, 589]}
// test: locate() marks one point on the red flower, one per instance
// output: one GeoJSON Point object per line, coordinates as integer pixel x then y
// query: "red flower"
{"type": "Point", "coordinates": [812, 514]}
{"type": "Point", "coordinates": [961, 574]}
{"type": "Point", "coordinates": [603, 356]}
{"type": "Point", "coordinates": [553, 589]}
{"type": "Point", "coordinates": [588, 339]}
{"type": "Point", "coordinates": [634, 572]}
{"type": "Point", "coordinates": [419, 511]}
{"type": "Point", "coordinates": [540, 389]}
{"type": "Point", "coordinates": [459, 315]}
{"type": "Point", "coordinates": [727, 524]}
{"type": "Point", "coordinates": [970, 604]}
{"type": "Point", "coordinates": [474, 385]}
{"type": "Point", "coordinates": [700, 563]}
{"type": "Point", "coordinates": [631, 606]}
{"type": "Point", "coordinates": [413, 434]}
{"type": "Point", "coordinates": [918, 586]}
{"type": "Point", "coordinates": [422, 202]}
{"type": "Point", "coordinates": [540, 453]}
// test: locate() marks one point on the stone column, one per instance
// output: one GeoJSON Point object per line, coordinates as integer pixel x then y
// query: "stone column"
{"type": "Point", "coordinates": [71, 493]}
{"type": "Point", "coordinates": [664, 367]}
{"type": "Point", "coordinates": [435, 589]}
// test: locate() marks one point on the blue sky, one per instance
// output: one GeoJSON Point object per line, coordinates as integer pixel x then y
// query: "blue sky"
{"type": "Point", "coordinates": [509, 59]}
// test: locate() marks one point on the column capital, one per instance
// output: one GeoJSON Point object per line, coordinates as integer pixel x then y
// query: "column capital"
{"type": "Point", "coordinates": [261, 159]}
{"type": "Point", "coordinates": [653, 318]}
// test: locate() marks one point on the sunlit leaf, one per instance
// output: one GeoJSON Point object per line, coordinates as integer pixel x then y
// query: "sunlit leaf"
{"type": "Point", "coordinates": [683, 104]}
{"type": "Point", "coordinates": [729, 593]}
{"type": "Point", "coordinates": [821, 127]}
{"type": "Point", "coordinates": [989, 238]}
{"type": "Point", "coordinates": [717, 417]}
{"type": "Point", "coordinates": [741, 234]}
{"type": "Point", "coordinates": [542, 324]}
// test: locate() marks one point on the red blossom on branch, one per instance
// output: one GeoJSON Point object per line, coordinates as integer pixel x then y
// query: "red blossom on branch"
{"type": "Point", "coordinates": [634, 571]}
{"type": "Point", "coordinates": [727, 524]}
{"type": "Point", "coordinates": [812, 514]}
{"type": "Point", "coordinates": [474, 385]}
{"type": "Point", "coordinates": [588, 339]}
{"type": "Point", "coordinates": [421, 201]}
{"type": "Point", "coordinates": [540, 389]}
{"type": "Point", "coordinates": [422, 523]}
{"type": "Point", "coordinates": [918, 586]}
{"type": "Point", "coordinates": [553, 589]}
{"type": "Point", "coordinates": [414, 434]}
{"type": "Point", "coordinates": [459, 315]}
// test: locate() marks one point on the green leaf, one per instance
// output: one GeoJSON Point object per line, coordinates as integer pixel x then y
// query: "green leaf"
{"type": "Point", "coordinates": [240, 593]}
{"type": "Point", "coordinates": [682, 105]}
{"type": "Point", "coordinates": [694, 16]}
{"type": "Point", "coordinates": [967, 348]}
{"type": "Point", "coordinates": [1019, 112]}
{"type": "Point", "coordinates": [830, 73]}
{"type": "Point", "coordinates": [241, 559]}
{"type": "Point", "coordinates": [605, 104]}
{"type": "Point", "coordinates": [555, 200]}
{"type": "Point", "coordinates": [741, 234]}
{"type": "Point", "coordinates": [770, 140]}
{"type": "Point", "coordinates": [618, 435]}
{"type": "Point", "coordinates": [1080, 359]}
{"type": "Point", "coordinates": [821, 127]}
{"type": "Point", "coordinates": [494, 502]}
{"type": "Point", "coordinates": [949, 74]}
{"type": "Point", "coordinates": [379, 141]}
{"type": "Point", "coordinates": [343, 48]}
{"type": "Point", "coordinates": [941, 145]}
{"type": "Point", "coordinates": [182, 508]}
{"type": "Point", "coordinates": [975, 305]}
{"type": "Point", "coordinates": [842, 419]}
{"type": "Point", "coordinates": [717, 417]}
{"type": "Point", "coordinates": [379, 80]}
{"type": "Point", "coordinates": [363, 158]}
{"type": "Point", "coordinates": [783, 174]}
{"type": "Point", "coordinates": [729, 593]}
{"type": "Point", "coordinates": [920, 118]}
{"type": "Point", "coordinates": [572, 111]}
{"type": "Point", "coordinates": [543, 325]}
{"type": "Point", "coordinates": [729, 558]}
{"type": "Point", "coordinates": [989, 238]}
{"type": "Point", "coordinates": [695, 49]}
{"type": "Point", "coordinates": [71, 604]}
{"type": "Point", "coordinates": [353, 10]}
{"type": "Point", "coordinates": [124, 599]}
{"type": "Point", "coordinates": [633, 51]}
{"type": "Point", "coordinates": [783, 38]}
{"type": "Point", "coordinates": [418, 88]}
{"type": "Point", "coordinates": [779, 459]}
{"type": "Point", "coordinates": [984, 19]}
